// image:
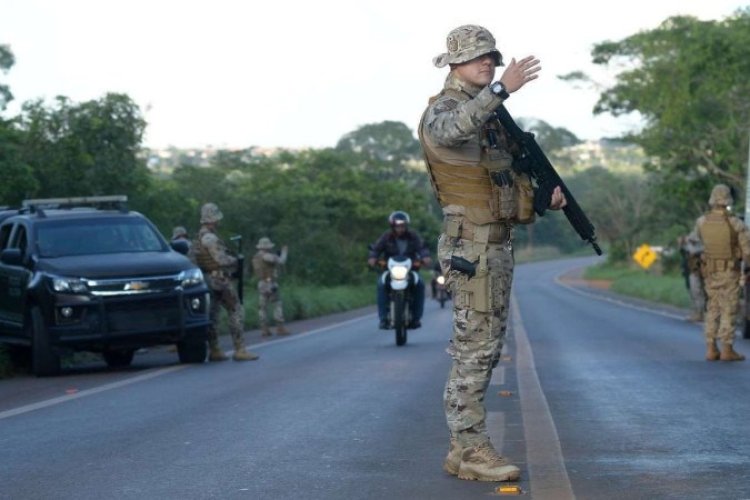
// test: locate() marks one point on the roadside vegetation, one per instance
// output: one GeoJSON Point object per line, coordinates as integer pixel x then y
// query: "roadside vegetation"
{"type": "Point", "coordinates": [631, 280]}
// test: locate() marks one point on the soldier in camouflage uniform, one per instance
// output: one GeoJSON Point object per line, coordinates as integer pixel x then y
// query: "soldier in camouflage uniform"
{"type": "Point", "coordinates": [463, 143]}
{"type": "Point", "coordinates": [726, 241]}
{"type": "Point", "coordinates": [180, 233]}
{"type": "Point", "coordinates": [219, 267]}
{"type": "Point", "coordinates": [266, 267]}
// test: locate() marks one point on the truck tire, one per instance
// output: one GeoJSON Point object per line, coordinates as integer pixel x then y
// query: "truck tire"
{"type": "Point", "coordinates": [45, 361]}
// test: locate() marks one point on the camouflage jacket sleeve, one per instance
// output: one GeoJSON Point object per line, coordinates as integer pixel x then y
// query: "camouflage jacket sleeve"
{"type": "Point", "coordinates": [272, 258]}
{"type": "Point", "coordinates": [743, 237]}
{"type": "Point", "coordinates": [449, 122]}
{"type": "Point", "coordinates": [218, 251]}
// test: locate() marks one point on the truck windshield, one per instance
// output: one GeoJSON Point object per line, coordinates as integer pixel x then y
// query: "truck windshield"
{"type": "Point", "coordinates": [62, 238]}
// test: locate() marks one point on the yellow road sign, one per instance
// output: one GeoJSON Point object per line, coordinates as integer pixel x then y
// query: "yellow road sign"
{"type": "Point", "coordinates": [645, 256]}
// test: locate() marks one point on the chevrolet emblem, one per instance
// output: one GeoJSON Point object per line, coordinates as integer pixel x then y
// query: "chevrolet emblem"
{"type": "Point", "coordinates": [136, 285]}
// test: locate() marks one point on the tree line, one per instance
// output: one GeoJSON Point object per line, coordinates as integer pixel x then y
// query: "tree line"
{"type": "Point", "coordinates": [688, 79]}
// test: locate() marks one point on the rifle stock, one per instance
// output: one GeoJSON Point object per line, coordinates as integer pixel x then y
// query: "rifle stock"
{"type": "Point", "coordinates": [535, 163]}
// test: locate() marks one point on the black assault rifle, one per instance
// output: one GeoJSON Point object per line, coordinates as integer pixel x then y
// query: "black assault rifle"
{"type": "Point", "coordinates": [240, 267]}
{"type": "Point", "coordinates": [534, 162]}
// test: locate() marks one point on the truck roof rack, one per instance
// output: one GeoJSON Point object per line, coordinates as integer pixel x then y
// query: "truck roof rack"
{"type": "Point", "coordinates": [117, 202]}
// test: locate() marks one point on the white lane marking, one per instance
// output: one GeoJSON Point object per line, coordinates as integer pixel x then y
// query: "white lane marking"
{"type": "Point", "coordinates": [162, 371]}
{"type": "Point", "coordinates": [88, 392]}
{"type": "Point", "coordinates": [558, 280]}
{"type": "Point", "coordinates": [548, 477]}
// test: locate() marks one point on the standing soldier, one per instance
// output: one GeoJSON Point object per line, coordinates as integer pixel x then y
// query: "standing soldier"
{"type": "Point", "coordinates": [726, 241]}
{"type": "Point", "coordinates": [463, 144]}
{"type": "Point", "coordinates": [218, 267]}
{"type": "Point", "coordinates": [266, 267]}
{"type": "Point", "coordinates": [179, 233]}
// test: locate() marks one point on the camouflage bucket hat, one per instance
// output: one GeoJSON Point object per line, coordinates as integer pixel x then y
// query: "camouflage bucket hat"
{"type": "Point", "coordinates": [210, 213]}
{"type": "Point", "coordinates": [721, 195]}
{"type": "Point", "coordinates": [264, 244]}
{"type": "Point", "coordinates": [466, 43]}
{"type": "Point", "coordinates": [179, 231]}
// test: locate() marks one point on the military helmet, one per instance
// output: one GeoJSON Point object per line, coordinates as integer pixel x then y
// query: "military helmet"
{"type": "Point", "coordinates": [179, 231]}
{"type": "Point", "coordinates": [210, 213]}
{"type": "Point", "coordinates": [466, 43]}
{"type": "Point", "coordinates": [721, 195]}
{"type": "Point", "coordinates": [264, 244]}
{"type": "Point", "coordinates": [398, 218]}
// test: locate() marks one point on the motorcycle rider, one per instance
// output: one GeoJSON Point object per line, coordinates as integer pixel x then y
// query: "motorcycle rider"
{"type": "Point", "coordinates": [400, 241]}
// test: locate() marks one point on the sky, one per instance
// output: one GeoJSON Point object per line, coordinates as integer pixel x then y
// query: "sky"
{"type": "Point", "coordinates": [303, 73]}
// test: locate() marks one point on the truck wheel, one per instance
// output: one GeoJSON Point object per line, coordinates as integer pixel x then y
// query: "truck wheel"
{"type": "Point", "coordinates": [45, 361]}
{"type": "Point", "coordinates": [118, 358]}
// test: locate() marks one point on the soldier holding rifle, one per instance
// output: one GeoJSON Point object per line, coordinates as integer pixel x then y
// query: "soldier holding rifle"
{"type": "Point", "coordinates": [219, 267]}
{"type": "Point", "coordinates": [470, 158]}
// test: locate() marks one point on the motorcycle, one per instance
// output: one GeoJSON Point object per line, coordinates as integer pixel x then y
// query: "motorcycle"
{"type": "Point", "coordinates": [439, 291]}
{"type": "Point", "coordinates": [399, 280]}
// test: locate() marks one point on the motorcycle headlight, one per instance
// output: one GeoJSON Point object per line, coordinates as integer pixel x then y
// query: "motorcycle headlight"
{"type": "Point", "coordinates": [191, 277]}
{"type": "Point", "coordinates": [62, 284]}
{"type": "Point", "coordinates": [399, 272]}
{"type": "Point", "coordinates": [441, 280]}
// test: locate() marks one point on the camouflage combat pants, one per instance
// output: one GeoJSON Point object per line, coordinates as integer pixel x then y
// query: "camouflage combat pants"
{"type": "Point", "coordinates": [268, 295]}
{"type": "Point", "coordinates": [477, 336]}
{"type": "Point", "coordinates": [723, 296]}
{"type": "Point", "coordinates": [224, 294]}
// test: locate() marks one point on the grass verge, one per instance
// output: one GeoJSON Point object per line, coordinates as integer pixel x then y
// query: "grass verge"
{"type": "Point", "coordinates": [636, 282]}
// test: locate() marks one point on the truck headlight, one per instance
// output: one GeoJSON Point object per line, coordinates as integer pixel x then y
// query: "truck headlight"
{"type": "Point", "coordinates": [191, 277]}
{"type": "Point", "coordinates": [69, 285]}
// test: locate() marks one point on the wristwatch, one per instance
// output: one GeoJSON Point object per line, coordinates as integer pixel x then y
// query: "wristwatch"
{"type": "Point", "coordinates": [498, 89]}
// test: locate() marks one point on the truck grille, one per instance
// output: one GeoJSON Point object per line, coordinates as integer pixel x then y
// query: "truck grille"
{"type": "Point", "coordinates": [133, 286]}
{"type": "Point", "coordinates": [143, 315]}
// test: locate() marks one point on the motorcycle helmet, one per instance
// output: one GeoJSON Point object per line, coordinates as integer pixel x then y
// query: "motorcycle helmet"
{"type": "Point", "coordinates": [398, 218]}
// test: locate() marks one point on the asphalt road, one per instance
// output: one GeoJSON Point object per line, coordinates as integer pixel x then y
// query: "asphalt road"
{"type": "Point", "coordinates": [594, 398]}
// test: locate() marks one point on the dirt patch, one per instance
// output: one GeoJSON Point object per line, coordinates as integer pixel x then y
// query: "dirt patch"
{"type": "Point", "coordinates": [598, 284]}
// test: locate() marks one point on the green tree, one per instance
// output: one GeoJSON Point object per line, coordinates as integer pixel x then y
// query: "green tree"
{"type": "Point", "coordinates": [17, 179]}
{"type": "Point", "coordinates": [85, 149]}
{"type": "Point", "coordinates": [6, 62]}
{"type": "Point", "coordinates": [387, 141]}
{"type": "Point", "coordinates": [689, 80]}
{"type": "Point", "coordinates": [327, 205]}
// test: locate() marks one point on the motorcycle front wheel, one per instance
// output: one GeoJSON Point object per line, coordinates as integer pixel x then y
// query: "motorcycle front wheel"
{"type": "Point", "coordinates": [399, 318]}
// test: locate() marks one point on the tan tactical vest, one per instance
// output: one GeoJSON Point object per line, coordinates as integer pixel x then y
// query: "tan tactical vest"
{"type": "Point", "coordinates": [461, 175]}
{"type": "Point", "coordinates": [203, 258]}
{"type": "Point", "coordinates": [264, 270]}
{"type": "Point", "coordinates": [719, 238]}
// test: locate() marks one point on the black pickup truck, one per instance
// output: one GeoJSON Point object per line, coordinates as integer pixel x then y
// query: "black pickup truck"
{"type": "Point", "coordinates": [87, 274]}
